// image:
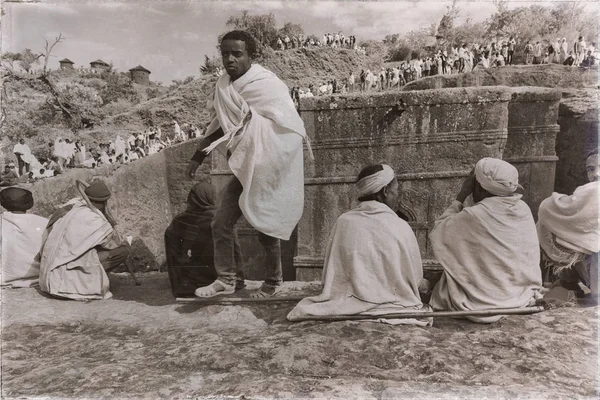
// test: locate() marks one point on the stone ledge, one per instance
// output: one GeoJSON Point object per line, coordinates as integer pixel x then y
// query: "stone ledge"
{"type": "Point", "coordinates": [415, 98]}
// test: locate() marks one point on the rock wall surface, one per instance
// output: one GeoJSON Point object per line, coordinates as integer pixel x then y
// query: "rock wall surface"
{"type": "Point", "coordinates": [578, 111]}
{"type": "Point", "coordinates": [578, 120]}
{"type": "Point", "coordinates": [532, 131]}
{"type": "Point", "coordinates": [432, 139]}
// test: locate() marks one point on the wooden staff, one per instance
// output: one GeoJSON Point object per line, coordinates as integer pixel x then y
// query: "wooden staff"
{"type": "Point", "coordinates": [238, 300]}
{"type": "Point", "coordinates": [428, 314]}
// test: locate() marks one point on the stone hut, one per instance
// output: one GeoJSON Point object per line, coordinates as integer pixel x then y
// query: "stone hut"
{"type": "Point", "coordinates": [140, 75]}
{"type": "Point", "coordinates": [65, 63]}
{"type": "Point", "coordinates": [99, 64]}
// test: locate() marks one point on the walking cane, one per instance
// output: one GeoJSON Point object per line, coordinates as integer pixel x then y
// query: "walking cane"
{"type": "Point", "coordinates": [430, 314]}
{"type": "Point", "coordinates": [80, 185]}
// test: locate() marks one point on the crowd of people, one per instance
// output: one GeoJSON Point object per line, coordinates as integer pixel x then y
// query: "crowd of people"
{"type": "Point", "coordinates": [460, 59]}
{"type": "Point", "coordinates": [580, 54]}
{"type": "Point", "coordinates": [65, 153]}
{"type": "Point", "coordinates": [333, 40]}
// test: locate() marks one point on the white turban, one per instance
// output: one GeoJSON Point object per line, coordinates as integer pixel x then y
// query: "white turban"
{"type": "Point", "coordinates": [374, 183]}
{"type": "Point", "coordinates": [497, 177]}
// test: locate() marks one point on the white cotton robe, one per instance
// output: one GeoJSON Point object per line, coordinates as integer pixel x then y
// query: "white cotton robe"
{"type": "Point", "coordinates": [372, 267]}
{"type": "Point", "coordinates": [573, 219]}
{"type": "Point", "coordinates": [267, 151]}
{"type": "Point", "coordinates": [490, 254]}
{"type": "Point", "coordinates": [20, 242]}
{"type": "Point", "coordinates": [70, 267]}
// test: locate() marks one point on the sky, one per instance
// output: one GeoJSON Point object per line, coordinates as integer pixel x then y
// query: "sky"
{"type": "Point", "coordinates": [170, 38]}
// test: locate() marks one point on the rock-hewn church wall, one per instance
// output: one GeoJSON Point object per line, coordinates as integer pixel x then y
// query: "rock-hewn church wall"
{"type": "Point", "coordinates": [532, 131]}
{"type": "Point", "coordinates": [431, 138]}
{"type": "Point", "coordinates": [577, 116]}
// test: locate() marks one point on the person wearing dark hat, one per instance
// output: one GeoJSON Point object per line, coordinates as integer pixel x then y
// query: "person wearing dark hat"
{"type": "Point", "coordinates": [81, 245]}
{"type": "Point", "coordinates": [9, 176]}
{"type": "Point", "coordinates": [20, 238]}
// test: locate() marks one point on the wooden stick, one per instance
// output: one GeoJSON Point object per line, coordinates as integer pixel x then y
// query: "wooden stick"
{"type": "Point", "coordinates": [237, 300]}
{"type": "Point", "coordinates": [428, 314]}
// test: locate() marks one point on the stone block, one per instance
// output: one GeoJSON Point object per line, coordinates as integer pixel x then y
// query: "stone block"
{"type": "Point", "coordinates": [431, 138]}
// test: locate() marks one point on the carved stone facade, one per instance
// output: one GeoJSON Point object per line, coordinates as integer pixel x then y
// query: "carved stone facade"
{"type": "Point", "coordinates": [432, 138]}
{"type": "Point", "coordinates": [532, 130]}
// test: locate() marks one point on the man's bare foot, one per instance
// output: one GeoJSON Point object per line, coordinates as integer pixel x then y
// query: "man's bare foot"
{"type": "Point", "coordinates": [265, 291]}
{"type": "Point", "coordinates": [215, 289]}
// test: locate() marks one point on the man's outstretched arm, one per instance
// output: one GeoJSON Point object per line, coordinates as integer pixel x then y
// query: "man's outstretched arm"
{"type": "Point", "coordinates": [200, 155]}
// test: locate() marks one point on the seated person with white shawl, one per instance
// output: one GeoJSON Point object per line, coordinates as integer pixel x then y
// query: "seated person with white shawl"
{"type": "Point", "coordinates": [20, 238]}
{"type": "Point", "coordinates": [255, 118]}
{"type": "Point", "coordinates": [568, 232]}
{"type": "Point", "coordinates": [80, 245]}
{"type": "Point", "coordinates": [489, 251]}
{"type": "Point", "coordinates": [372, 262]}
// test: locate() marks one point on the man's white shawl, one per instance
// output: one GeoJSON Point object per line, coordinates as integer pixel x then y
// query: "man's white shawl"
{"type": "Point", "coordinates": [573, 219]}
{"type": "Point", "coordinates": [490, 254]}
{"type": "Point", "coordinates": [372, 267]}
{"type": "Point", "coordinates": [70, 266]}
{"type": "Point", "coordinates": [20, 242]}
{"type": "Point", "coordinates": [266, 150]}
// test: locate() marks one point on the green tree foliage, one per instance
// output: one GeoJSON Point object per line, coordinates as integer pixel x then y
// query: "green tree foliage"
{"type": "Point", "coordinates": [262, 26]}
{"type": "Point", "coordinates": [84, 102]}
{"type": "Point", "coordinates": [28, 59]}
{"type": "Point", "coordinates": [290, 29]}
{"type": "Point", "coordinates": [400, 52]}
{"type": "Point", "coordinates": [118, 86]}
{"type": "Point", "coordinates": [210, 65]}
{"type": "Point", "coordinates": [9, 59]}
{"type": "Point", "coordinates": [446, 27]}
{"type": "Point", "coordinates": [536, 22]}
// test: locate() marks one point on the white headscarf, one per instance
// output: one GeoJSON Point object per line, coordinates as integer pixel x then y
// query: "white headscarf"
{"type": "Point", "coordinates": [497, 176]}
{"type": "Point", "coordinates": [374, 183]}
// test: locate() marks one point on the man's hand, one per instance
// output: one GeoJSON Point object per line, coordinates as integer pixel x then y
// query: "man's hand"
{"type": "Point", "coordinates": [467, 187]}
{"type": "Point", "coordinates": [191, 169]}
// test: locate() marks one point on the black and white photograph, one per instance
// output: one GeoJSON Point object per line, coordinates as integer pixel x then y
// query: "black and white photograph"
{"type": "Point", "coordinates": [299, 199]}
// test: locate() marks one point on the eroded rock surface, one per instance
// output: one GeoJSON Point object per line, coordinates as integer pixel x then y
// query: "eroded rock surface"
{"type": "Point", "coordinates": [143, 345]}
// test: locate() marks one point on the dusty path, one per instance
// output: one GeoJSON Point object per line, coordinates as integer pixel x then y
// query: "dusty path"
{"type": "Point", "coordinates": [141, 344]}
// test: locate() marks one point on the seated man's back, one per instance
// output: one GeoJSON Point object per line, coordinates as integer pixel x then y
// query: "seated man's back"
{"type": "Point", "coordinates": [372, 262]}
{"type": "Point", "coordinates": [490, 251]}
{"type": "Point", "coordinates": [80, 244]}
{"type": "Point", "coordinates": [20, 238]}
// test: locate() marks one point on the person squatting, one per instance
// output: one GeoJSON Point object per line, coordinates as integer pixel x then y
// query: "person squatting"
{"type": "Point", "coordinates": [487, 242]}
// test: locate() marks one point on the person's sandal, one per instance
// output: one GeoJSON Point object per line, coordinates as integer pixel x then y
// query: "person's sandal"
{"type": "Point", "coordinates": [216, 288]}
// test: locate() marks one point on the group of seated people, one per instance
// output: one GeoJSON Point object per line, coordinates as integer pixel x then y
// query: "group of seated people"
{"type": "Point", "coordinates": [487, 242]}
{"type": "Point", "coordinates": [68, 254]}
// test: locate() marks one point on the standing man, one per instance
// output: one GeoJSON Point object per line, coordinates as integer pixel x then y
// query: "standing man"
{"type": "Point", "coordinates": [537, 53]}
{"type": "Point", "coordinates": [528, 53]}
{"type": "Point", "coordinates": [20, 150]}
{"type": "Point", "coordinates": [579, 49]}
{"type": "Point", "coordinates": [511, 50]}
{"type": "Point", "coordinates": [256, 124]}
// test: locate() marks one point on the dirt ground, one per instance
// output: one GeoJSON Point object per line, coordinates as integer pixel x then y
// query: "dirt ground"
{"type": "Point", "coordinates": [142, 344]}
